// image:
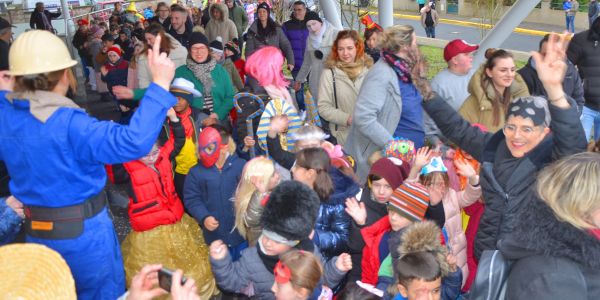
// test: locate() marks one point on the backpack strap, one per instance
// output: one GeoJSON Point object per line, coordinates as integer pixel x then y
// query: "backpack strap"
{"type": "Point", "coordinates": [334, 93]}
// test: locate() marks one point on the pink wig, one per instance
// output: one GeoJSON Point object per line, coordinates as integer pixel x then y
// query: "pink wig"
{"type": "Point", "coordinates": [265, 65]}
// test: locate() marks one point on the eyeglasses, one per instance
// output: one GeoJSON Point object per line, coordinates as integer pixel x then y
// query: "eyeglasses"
{"type": "Point", "coordinates": [512, 129]}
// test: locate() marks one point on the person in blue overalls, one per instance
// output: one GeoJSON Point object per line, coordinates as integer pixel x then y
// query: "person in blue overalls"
{"type": "Point", "coordinates": [55, 155]}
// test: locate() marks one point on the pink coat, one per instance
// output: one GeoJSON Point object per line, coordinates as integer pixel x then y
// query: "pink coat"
{"type": "Point", "coordinates": [454, 202]}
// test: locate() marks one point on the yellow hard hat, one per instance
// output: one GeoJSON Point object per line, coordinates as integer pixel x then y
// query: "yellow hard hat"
{"type": "Point", "coordinates": [131, 7]}
{"type": "Point", "coordinates": [38, 51]}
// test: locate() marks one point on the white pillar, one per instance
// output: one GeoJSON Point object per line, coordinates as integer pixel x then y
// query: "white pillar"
{"type": "Point", "coordinates": [386, 13]}
{"type": "Point", "coordinates": [332, 12]}
{"type": "Point", "coordinates": [503, 29]}
{"type": "Point", "coordinates": [69, 33]}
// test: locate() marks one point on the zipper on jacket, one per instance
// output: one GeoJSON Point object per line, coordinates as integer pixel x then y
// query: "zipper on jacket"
{"type": "Point", "coordinates": [140, 209]}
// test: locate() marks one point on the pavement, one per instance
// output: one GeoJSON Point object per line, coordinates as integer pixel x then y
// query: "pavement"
{"type": "Point", "coordinates": [524, 38]}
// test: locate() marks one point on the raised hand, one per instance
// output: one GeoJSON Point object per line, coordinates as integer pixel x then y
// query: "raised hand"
{"type": "Point", "coordinates": [423, 157]}
{"type": "Point", "coordinates": [344, 262]}
{"type": "Point", "coordinates": [278, 125]}
{"type": "Point", "coordinates": [551, 68]}
{"type": "Point", "coordinates": [161, 67]}
{"type": "Point", "coordinates": [356, 210]}
{"type": "Point", "coordinates": [16, 205]}
{"type": "Point", "coordinates": [172, 115]}
{"type": "Point", "coordinates": [218, 250]}
{"type": "Point", "coordinates": [464, 169]}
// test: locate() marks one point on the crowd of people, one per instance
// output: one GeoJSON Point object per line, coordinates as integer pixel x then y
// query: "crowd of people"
{"type": "Point", "coordinates": [359, 178]}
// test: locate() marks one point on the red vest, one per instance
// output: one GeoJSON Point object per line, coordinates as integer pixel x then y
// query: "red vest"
{"type": "Point", "coordinates": [156, 202]}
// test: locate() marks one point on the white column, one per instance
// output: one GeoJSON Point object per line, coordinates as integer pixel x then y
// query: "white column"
{"type": "Point", "coordinates": [503, 29]}
{"type": "Point", "coordinates": [332, 12]}
{"type": "Point", "coordinates": [386, 13]}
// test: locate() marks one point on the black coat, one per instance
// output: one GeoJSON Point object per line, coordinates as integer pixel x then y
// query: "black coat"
{"type": "Point", "coordinates": [554, 260]}
{"type": "Point", "coordinates": [572, 83]}
{"type": "Point", "coordinates": [37, 22]}
{"type": "Point", "coordinates": [503, 199]}
{"type": "Point", "coordinates": [584, 52]}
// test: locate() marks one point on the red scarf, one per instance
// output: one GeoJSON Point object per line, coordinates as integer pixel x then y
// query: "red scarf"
{"type": "Point", "coordinates": [186, 122]}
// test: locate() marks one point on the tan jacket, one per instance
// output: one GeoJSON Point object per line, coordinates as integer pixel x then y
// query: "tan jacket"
{"type": "Point", "coordinates": [347, 93]}
{"type": "Point", "coordinates": [178, 55]}
{"type": "Point", "coordinates": [478, 106]}
{"type": "Point", "coordinates": [224, 28]}
{"type": "Point", "coordinates": [434, 16]}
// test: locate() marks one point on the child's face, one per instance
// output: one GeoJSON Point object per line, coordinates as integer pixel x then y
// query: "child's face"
{"type": "Point", "coordinates": [112, 57]}
{"type": "Point", "coordinates": [382, 190]}
{"type": "Point", "coordinates": [181, 105]}
{"type": "Point", "coordinates": [271, 247]}
{"type": "Point", "coordinates": [419, 289]}
{"type": "Point", "coordinates": [286, 291]}
{"type": "Point", "coordinates": [397, 221]}
{"type": "Point", "coordinates": [151, 157]}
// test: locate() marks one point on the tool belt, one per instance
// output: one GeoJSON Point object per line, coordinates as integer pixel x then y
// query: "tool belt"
{"type": "Point", "coordinates": [62, 222]}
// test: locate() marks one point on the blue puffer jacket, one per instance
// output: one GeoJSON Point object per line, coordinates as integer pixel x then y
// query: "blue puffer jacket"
{"type": "Point", "coordinates": [209, 192]}
{"type": "Point", "coordinates": [297, 33]}
{"type": "Point", "coordinates": [333, 223]}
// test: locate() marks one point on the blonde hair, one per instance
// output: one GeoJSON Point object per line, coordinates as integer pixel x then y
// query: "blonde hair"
{"type": "Point", "coordinates": [570, 188]}
{"type": "Point", "coordinates": [396, 38]}
{"type": "Point", "coordinates": [261, 167]}
{"type": "Point", "coordinates": [305, 268]}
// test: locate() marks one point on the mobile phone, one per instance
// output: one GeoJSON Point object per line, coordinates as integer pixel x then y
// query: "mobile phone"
{"type": "Point", "coordinates": [165, 278]}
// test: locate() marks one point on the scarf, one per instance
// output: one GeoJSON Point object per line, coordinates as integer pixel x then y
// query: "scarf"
{"type": "Point", "coordinates": [400, 66]}
{"type": "Point", "coordinates": [352, 69]}
{"type": "Point", "coordinates": [202, 72]}
{"type": "Point", "coordinates": [316, 38]}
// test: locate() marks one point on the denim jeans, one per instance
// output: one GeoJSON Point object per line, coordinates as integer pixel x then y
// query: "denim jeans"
{"type": "Point", "coordinates": [430, 31]}
{"type": "Point", "coordinates": [300, 92]}
{"type": "Point", "coordinates": [570, 23]}
{"type": "Point", "coordinates": [590, 118]}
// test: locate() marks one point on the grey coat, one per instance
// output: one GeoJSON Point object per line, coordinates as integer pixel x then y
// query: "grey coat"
{"type": "Point", "coordinates": [250, 274]}
{"type": "Point", "coordinates": [312, 64]}
{"type": "Point", "coordinates": [278, 40]}
{"type": "Point", "coordinates": [376, 115]}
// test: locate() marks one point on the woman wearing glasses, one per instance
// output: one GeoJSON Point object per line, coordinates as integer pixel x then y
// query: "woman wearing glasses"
{"type": "Point", "coordinates": [511, 158]}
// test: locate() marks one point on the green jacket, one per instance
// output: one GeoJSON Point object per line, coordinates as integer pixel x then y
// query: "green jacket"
{"type": "Point", "coordinates": [240, 18]}
{"type": "Point", "coordinates": [222, 91]}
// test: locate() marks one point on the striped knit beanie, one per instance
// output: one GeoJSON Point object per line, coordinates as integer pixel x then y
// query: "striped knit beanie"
{"type": "Point", "coordinates": [410, 200]}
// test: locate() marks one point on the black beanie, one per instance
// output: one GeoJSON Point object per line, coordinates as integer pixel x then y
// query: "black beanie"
{"type": "Point", "coordinates": [198, 38]}
{"type": "Point", "coordinates": [264, 5]}
{"type": "Point", "coordinates": [291, 210]}
{"type": "Point", "coordinates": [216, 44]}
{"type": "Point", "coordinates": [311, 15]}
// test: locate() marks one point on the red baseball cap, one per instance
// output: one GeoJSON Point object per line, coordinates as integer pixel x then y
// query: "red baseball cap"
{"type": "Point", "coordinates": [456, 47]}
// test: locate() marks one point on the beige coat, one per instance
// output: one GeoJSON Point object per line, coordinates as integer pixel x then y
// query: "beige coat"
{"type": "Point", "coordinates": [347, 93]}
{"type": "Point", "coordinates": [477, 109]}
{"type": "Point", "coordinates": [225, 28]}
{"type": "Point", "coordinates": [178, 55]}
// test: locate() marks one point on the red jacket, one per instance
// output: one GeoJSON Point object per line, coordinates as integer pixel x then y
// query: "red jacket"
{"type": "Point", "coordinates": [475, 211]}
{"type": "Point", "coordinates": [370, 259]}
{"type": "Point", "coordinates": [155, 202]}
{"type": "Point", "coordinates": [240, 65]}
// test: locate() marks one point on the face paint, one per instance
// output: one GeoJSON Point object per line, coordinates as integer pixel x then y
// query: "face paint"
{"type": "Point", "coordinates": [209, 146]}
{"type": "Point", "coordinates": [282, 273]}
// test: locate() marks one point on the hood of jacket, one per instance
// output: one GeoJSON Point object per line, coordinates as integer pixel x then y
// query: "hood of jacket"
{"type": "Point", "coordinates": [484, 96]}
{"type": "Point", "coordinates": [539, 232]}
{"type": "Point", "coordinates": [222, 8]}
{"type": "Point", "coordinates": [344, 187]}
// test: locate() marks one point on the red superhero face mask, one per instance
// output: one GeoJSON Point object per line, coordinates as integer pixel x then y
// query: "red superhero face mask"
{"type": "Point", "coordinates": [209, 146]}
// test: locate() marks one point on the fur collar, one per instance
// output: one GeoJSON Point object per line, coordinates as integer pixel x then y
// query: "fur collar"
{"type": "Point", "coordinates": [538, 232]}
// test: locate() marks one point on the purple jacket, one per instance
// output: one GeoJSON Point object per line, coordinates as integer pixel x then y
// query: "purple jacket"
{"type": "Point", "coordinates": [297, 33]}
